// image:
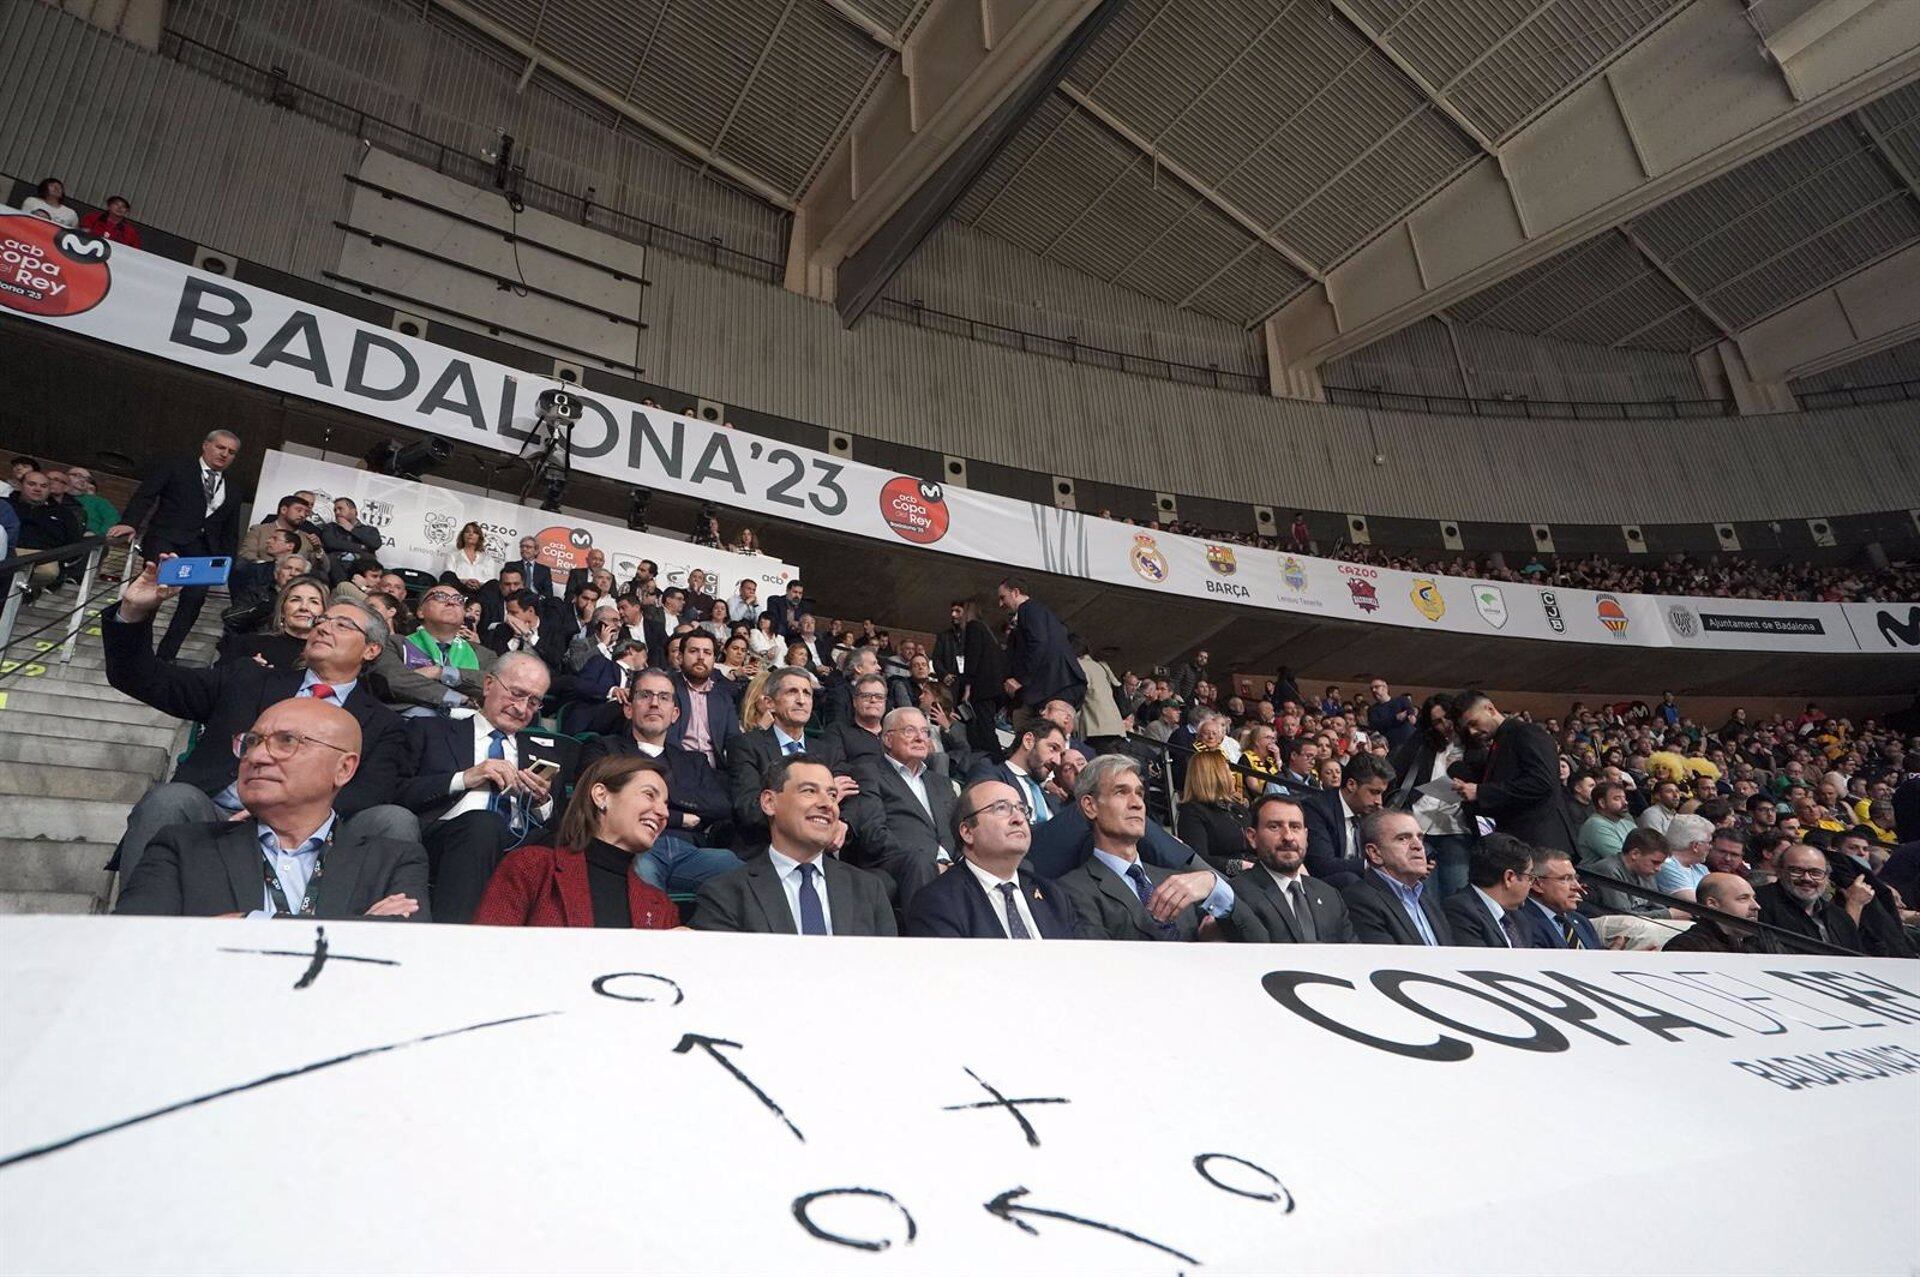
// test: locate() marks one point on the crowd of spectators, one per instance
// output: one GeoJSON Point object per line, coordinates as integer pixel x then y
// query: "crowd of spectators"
{"type": "Point", "coordinates": [506, 744]}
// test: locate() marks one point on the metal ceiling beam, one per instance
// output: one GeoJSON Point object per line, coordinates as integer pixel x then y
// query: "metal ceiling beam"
{"type": "Point", "coordinates": [600, 93]}
{"type": "Point", "coordinates": [746, 87]}
{"type": "Point", "coordinates": [858, 18]}
{"type": "Point", "coordinates": [1186, 177]}
{"type": "Point", "coordinates": [1605, 154]}
{"type": "Point", "coordinates": [1413, 75]}
{"type": "Point", "coordinates": [1666, 272]}
{"type": "Point", "coordinates": [1877, 141]}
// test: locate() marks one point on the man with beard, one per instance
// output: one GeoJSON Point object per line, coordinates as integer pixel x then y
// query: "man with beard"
{"type": "Point", "coordinates": [1290, 907]}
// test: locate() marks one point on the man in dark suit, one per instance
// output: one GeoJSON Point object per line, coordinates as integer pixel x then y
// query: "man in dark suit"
{"type": "Point", "coordinates": [988, 894]}
{"type": "Point", "coordinates": [536, 575]}
{"type": "Point", "coordinates": [1028, 766]}
{"type": "Point", "coordinates": [750, 755]}
{"type": "Point", "coordinates": [579, 579]}
{"type": "Point", "coordinates": [294, 856]}
{"type": "Point", "coordinates": [709, 719]}
{"type": "Point", "coordinates": [1040, 661]}
{"type": "Point", "coordinates": [1553, 914]}
{"type": "Point", "coordinates": [1519, 789]}
{"type": "Point", "coordinates": [968, 660]}
{"type": "Point", "coordinates": [787, 609]}
{"type": "Point", "coordinates": [1289, 905]}
{"type": "Point", "coordinates": [486, 784]}
{"type": "Point", "coordinates": [914, 831]}
{"type": "Point", "coordinates": [227, 699]}
{"type": "Point", "coordinates": [1389, 903]}
{"type": "Point", "coordinates": [795, 885]}
{"type": "Point", "coordinates": [1731, 894]}
{"type": "Point", "coordinates": [524, 629]}
{"type": "Point", "coordinates": [1120, 897]}
{"type": "Point", "coordinates": [1333, 819]}
{"type": "Point", "coordinates": [1798, 901]}
{"type": "Point", "coordinates": [1487, 914]}
{"type": "Point", "coordinates": [187, 508]}
{"type": "Point", "coordinates": [693, 847]}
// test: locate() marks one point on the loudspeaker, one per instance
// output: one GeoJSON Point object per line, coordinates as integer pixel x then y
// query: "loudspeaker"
{"type": "Point", "coordinates": [1166, 505]}
{"type": "Point", "coordinates": [1636, 543]}
{"type": "Point", "coordinates": [1063, 497]}
{"type": "Point", "coordinates": [1263, 520]}
{"type": "Point", "coordinates": [953, 471]}
{"type": "Point", "coordinates": [839, 443]}
{"type": "Point", "coordinates": [711, 410]}
{"type": "Point", "coordinates": [1822, 532]}
{"type": "Point", "coordinates": [1542, 538]}
{"type": "Point", "coordinates": [213, 261]}
{"type": "Point", "coordinates": [1729, 538]}
{"type": "Point", "coordinates": [407, 325]}
{"type": "Point", "coordinates": [569, 373]}
{"type": "Point", "coordinates": [1450, 535]}
{"type": "Point", "coordinates": [1357, 532]}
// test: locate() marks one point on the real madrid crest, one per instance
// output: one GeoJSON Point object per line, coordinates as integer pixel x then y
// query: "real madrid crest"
{"type": "Point", "coordinates": [1147, 559]}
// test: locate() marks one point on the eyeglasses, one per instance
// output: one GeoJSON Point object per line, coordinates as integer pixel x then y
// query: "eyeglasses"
{"type": "Point", "coordinates": [345, 622]}
{"type": "Point", "coordinates": [653, 698]}
{"type": "Point", "coordinates": [1002, 808]}
{"type": "Point", "coordinates": [517, 697]}
{"type": "Point", "coordinates": [1814, 875]}
{"type": "Point", "coordinates": [911, 733]}
{"type": "Point", "coordinates": [280, 745]}
{"type": "Point", "coordinates": [442, 596]}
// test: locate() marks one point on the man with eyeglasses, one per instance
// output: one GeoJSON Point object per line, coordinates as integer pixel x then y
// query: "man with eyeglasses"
{"type": "Point", "coordinates": [486, 783]}
{"type": "Point", "coordinates": [693, 847]}
{"type": "Point", "coordinates": [1803, 902]}
{"type": "Point", "coordinates": [990, 894]}
{"type": "Point", "coordinates": [440, 666]}
{"type": "Point", "coordinates": [912, 840]}
{"type": "Point", "coordinates": [1499, 877]}
{"type": "Point", "coordinates": [1552, 912]}
{"type": "Point", "coordinates": [842, 744]}
{"type": "Point", "coordinates": [225, 701]}
{"type": "Point", "coordinates": [293, 857]}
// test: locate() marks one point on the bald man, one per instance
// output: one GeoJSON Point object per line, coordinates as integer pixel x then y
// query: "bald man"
{"type": "Point", "coordinates": [283, 859]}
{"type": "Point", "coordinates": [1730, 894]}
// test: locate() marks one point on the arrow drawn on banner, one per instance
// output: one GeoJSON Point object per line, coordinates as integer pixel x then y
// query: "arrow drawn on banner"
{"type": "Point", "coordinates": [712, 1047]}
{"type": "Point", "coordinates": [1004, 1207]}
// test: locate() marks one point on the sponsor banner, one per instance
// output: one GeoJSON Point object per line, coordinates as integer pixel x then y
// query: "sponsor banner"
{"type": "Point", "coordinates": [1749, 623]}
{"type": "Point", "coordinates": [171, 311]}
{"type": "Point", "coordinates": [511, 1100]}
{"type": "Point", "coordinates": [1885, 627]}
{"type": "Point", "coordinates": [418, 523]}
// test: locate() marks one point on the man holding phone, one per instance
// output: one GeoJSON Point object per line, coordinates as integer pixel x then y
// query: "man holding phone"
{"type": "Point", "coordinates": [486, 784]}
{"type": "Point", "coordinates": [187, 508]}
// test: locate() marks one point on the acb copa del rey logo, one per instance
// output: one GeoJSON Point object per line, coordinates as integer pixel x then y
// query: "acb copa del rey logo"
{"type": "Point", "coordinates": [48, 270]}
{"type": "Point", "coordinates": [915, 509]}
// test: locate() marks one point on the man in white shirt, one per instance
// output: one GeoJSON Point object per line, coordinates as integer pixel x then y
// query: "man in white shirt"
{"type": "Point", "coordinates": [745, 604]}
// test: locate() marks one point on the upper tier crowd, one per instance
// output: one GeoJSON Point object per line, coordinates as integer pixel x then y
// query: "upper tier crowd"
{"type": "Point", "coordinates": [510, 744]}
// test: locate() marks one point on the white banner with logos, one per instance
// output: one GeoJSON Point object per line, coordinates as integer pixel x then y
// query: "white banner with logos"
{"type": "Point", "coordinates": [242, 1098]}
{"type": "Point", "coordinates": [166, 309]}
{"type": "Point", "coordinates": [418, 523]}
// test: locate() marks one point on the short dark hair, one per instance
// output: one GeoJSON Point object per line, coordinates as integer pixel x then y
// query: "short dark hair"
{"type": "Point", "coordinates": [1494, 857]}
{"type": "Point", "coordinates": [1014, 583]}
{"type": "Point", "coordinates": [294, 498]}
{"type": "Point", "coordinates": [1466, 699]}
{"type": "Point", "coordinates": [1260, 804]}
{"type": "Point", "coordinates": [1859, 831]}
{"type": "Point", "coordinates": [1362, 768]}
{"type": "Point", "coordinates": [526, 599]}
{"type": "Point", "coordinates": [693, 634]}
{"type": "Point", "coordinates": [1295, 744]}
{"type": "Point", "coordinates": [672, 590]}
{"type": "Point", "coordinates": [1644, 839]}
{"type": "Point", "coordinates": [1041, 728]}
{"type": "Point", "coordinates": [777, 771]}
{"type": "Point", "coordinates": [1605, 787]}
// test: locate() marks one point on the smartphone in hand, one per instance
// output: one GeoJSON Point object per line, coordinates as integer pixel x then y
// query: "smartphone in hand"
{"type": "Point", "coordinates": [210, 570]}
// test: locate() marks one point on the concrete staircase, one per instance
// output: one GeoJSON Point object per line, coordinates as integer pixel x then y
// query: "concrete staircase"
{"type": "Point", "coordinates": [75, 755]}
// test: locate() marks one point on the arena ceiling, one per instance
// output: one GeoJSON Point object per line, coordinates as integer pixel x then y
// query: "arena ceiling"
{"type": "Point", "coordinates": [1224, 155]}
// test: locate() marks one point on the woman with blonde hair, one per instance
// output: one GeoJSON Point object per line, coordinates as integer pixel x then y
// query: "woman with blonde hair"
{"type": "Point", "coordinates": [754, 713]}
{"type": "Point", "coordinates": [301, 602]}
{"type": "Point", "coordinates": [469, 565]}
{"type": "Point", "coordinates": [586, 878]}
{"type": "Point", "coordinates": [1213, 815]}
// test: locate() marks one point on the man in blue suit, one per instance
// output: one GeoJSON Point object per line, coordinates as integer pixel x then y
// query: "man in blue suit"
{"type": "Point", "coordinates": [534, 574]}
{"type": "Point", "coordinates": [1040, 662]}
{"type": "Point", "coordinates": [987, 894]}
{"type": "Point", "coordinates": [1552, 912]}
{"type": "Point", "coordinates": [709, 718]}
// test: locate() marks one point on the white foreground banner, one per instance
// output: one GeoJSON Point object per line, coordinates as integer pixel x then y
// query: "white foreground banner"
{"type": "Point", "coordinates": [201, 1096]}
{"type": "Point", "coordinates": [169, 310]}
{"type": "Point", "coordinates": [419, 522]}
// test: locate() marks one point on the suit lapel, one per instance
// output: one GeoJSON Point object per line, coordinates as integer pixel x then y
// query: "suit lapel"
{"type": "Point", "coordinates": [343, 863]}
{"type": "Point", "coordinates": [764, 881]}
{"type": "Point", "coordinates": [239, 849]}
{"type": "Point", "coordinates": [1260, 883]}
{"type": "Point", "coordinates": [840, 902]}
{"type": "Point", "coordinates": [1046, 910]}
{"type": "Point", "coordinates": [903, 792]}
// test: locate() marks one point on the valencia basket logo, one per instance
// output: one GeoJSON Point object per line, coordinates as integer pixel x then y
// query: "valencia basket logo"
{"type": "Point", "coordinates": [48, 270]}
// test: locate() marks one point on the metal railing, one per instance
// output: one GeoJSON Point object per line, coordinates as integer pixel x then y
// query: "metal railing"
{"type": "Point", "coordinates": [1859, 396]}
{"type": "Point", "coordinates": [18, 573]}
{"type": "Point", "coordinates": [1669, 409]}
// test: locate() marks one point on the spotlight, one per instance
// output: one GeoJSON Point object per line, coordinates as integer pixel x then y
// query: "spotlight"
{"type": "Point", "coordinates": [556, 488]}
{"type": "Point", "coordinates": [409, 461]}
{"type": "Point", "coordinates": [637, 503]}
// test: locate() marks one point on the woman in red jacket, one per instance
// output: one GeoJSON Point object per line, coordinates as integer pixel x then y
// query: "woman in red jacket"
{"type": "Point", "coordinates": [619, 807]}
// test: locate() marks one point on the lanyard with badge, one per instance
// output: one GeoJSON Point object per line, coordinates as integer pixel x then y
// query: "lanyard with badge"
{"type": "Point", "coordinates": [309, 898]}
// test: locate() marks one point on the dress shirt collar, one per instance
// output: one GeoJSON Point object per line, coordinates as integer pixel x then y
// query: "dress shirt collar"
{"type": "Point", "coordinates": [1494, 910]}
{"type": "Point", "coordinates": [270, 841]}
{"type": "Point", "coordinates": [651, 751]}
{"type": "Point", "coordinates": [781, 739]}
{"type": "Point", "coordinates": [1119, 865]}
{"type": "Point", "coordinates": [340, 690]}
{"type": "Point", "coordinates": [989, 880]}
{"type": "Point", "coordinates": [481, 730]}
{"type": "Point", "coordinates": [1282, 880]}
{"type": "Point", "coordinates": [905, 774]}
{"type": "Point", "coordinates": [786, 866]}
{"type": "Point", "coordinates": [1409, 895]}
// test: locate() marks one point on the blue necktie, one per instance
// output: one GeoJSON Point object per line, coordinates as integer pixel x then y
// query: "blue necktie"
{"type": "Point", "coordinates": [1040, 809]}
{"type": "Point", "coordinates": [1144, 889]}
{"type": "Point", "coordinates": [793, 747]}
{"type": "Point", "coordinates": [497, 748]}
{"type": "Point", "coordinates": [813, 919]}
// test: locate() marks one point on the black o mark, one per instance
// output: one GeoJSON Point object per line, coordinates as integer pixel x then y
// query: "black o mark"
{"type": "Point", "coordinates": [806, 1200]}
{"type": "Point", "coordinates": [1280, 1191]}
{"type": "Point", "coordinates": [600, 987]}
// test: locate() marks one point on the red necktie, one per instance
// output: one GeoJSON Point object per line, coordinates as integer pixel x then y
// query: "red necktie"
{"type": "Point", "coordinates": [321, 691]}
